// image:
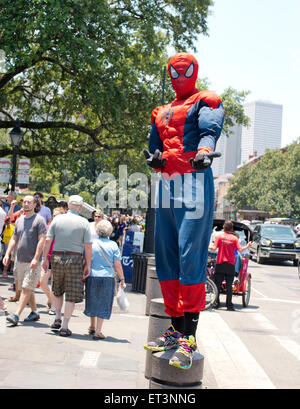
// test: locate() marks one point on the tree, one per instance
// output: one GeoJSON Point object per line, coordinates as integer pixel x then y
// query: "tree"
{"type": "Point", "coordinates": [83, 75]}
{"type": "Point", "coordinates": [272, 184]}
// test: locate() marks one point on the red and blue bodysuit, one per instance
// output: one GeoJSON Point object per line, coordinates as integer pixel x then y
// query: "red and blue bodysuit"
{"type": "Point", "coordinates": [188, 126]}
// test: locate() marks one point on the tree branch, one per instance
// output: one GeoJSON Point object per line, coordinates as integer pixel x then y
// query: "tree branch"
{"type": "Point", "coordinates": [54, 125]}
{"type": "Point", "coordinates": [6, 114]}
{"type": "Point", "coordinates": [10, 75]}
{"type": "Point", "coordinates": [79, 149]}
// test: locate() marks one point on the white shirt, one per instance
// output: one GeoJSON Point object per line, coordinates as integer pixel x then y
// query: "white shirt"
{"type": "Point", "coordinates": [2, 219]}
{"type": "Point", "coordinates": [93, 231]}
{"type": "Point", "coordinates": [135, 227]}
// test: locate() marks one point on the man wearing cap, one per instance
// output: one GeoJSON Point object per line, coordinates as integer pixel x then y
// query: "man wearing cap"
{"type": "Point", "coordinates": [70, 260]}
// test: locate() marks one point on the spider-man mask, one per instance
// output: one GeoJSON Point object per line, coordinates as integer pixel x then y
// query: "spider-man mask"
{"type": "Point", "coordinates": [183, 71]}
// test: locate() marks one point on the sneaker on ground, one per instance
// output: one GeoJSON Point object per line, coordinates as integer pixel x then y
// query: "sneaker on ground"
{"type": "Point", "coordinates": [13, 319]}
{"type": "Point", "coordinates": [183, 357]}
{"type": "Point", "coordinates": [33, 316]}
{"type": "Point", "coordinates": [169, 340]}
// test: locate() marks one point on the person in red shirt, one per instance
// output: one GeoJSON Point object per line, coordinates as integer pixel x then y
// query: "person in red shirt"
{"type": "Point", "coordinates": [226, 243]}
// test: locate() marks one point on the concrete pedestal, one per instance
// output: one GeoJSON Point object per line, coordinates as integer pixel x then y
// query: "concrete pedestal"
{"type": "Point", "coordinates": [151, 261]}
{"type": "Point", "coordinates": [165, 376]}
{"type": "Point", "coordinates": [161, 375]}
{"type": "Point", "coordinates": [159, 321]}
{"type": "Point", "coordinates": [153, 289]}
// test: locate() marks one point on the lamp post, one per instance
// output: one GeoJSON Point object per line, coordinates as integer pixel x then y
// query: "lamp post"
{"type": "Point", "coordinates": [150, 215]}
{"type": "Point", "coordinates": [16, 136]}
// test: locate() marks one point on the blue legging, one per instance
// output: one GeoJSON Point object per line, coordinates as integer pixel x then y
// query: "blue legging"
{"type": "Point", "coordinates": [184, 219]}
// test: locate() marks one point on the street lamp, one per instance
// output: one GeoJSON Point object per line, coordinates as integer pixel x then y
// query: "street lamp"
{"type": "Point", "coordinates": [16, 136]}
{"type": "Point", "coordinates": [150, 215]}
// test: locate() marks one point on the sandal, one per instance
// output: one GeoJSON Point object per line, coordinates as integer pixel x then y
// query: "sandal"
{"type": "Point", "coordinates": [13, 299]}
{"type": "Point", "coordinates": [91, 331]}
{"type": "Point", "coordinates": [99, 336]}
{"type": "Point", "coordinates": [65, 332]}
{"type": "Point", "coordinates": [56, 324]}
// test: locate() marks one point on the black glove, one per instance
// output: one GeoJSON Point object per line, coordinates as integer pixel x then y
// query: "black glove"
{"type": "Point", "coordinates": [201, 162]}
{"type": "Point", "coordinates": [155, 160]}
{"type": "Point", "coordinates": [204, 161]}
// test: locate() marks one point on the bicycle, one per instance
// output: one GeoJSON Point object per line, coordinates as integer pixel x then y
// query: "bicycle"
{"type": "Point", "coordinates": [211, 291]}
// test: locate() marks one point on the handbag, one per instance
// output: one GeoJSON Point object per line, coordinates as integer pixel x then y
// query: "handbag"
{"type": "Point", "coordinates": [109, 263]}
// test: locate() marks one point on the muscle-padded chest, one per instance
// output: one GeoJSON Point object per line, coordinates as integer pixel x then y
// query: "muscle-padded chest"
{"type": "Point", "coordinates": [171, 120]}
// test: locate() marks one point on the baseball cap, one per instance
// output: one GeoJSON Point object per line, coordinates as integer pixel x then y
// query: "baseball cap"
{"type": "Point", "coordinates": [76, 200]}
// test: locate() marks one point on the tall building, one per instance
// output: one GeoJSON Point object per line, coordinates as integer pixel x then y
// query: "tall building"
{"type": "Point", "coordinates": [264, 131]}
{"type": "Point", "coordinates": [230, 148]}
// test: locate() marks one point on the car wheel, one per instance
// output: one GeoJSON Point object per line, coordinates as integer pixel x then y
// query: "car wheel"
{"type": "Point", "coordinates": [259, 258]}
{"type": "Point", "coordinates": [295, 263]}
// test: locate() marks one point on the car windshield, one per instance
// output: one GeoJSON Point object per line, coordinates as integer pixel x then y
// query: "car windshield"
{"type": "Point", "coordinates": [278, 231]}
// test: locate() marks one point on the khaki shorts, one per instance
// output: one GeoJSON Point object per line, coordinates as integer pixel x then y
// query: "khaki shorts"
{"type": "Point", "coordinates": [26, 277]}
{"type": "Point", "coordinates": [67, 276]}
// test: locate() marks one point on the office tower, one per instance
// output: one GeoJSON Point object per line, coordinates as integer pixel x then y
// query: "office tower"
{"type": "Point", "coordinates": [264, 131]}
{"type": "Point", "coordinates": [230, 148]}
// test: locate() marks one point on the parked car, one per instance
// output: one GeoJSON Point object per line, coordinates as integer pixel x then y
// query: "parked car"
{"type": "Point", "coordinates": [275, 242]}
{"type": "Point", "coordinates": [255, 223]}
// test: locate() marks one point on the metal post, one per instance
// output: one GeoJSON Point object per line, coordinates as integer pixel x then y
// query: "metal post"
{"type": "Point", "coordinates": [16, 138]}
{"type": "Point", "coordinates": [150, 215]}
{"type": "Point", "coordinates": [14, 168]}
{"type": "Point", "coordinates": [150, 223]}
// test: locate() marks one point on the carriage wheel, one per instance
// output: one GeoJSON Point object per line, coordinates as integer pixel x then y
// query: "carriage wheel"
{"type": "Point", "coordinates": [246, 294]}
{"type": "Point", "coordinates": [211, 293]}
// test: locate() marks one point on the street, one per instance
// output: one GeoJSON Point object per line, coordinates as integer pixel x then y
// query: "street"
{"type": "Point", "coordinates": [257, 347]}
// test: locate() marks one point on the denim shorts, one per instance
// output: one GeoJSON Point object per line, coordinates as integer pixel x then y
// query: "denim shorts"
{"type": "Point", "coordinates": [99, 296]}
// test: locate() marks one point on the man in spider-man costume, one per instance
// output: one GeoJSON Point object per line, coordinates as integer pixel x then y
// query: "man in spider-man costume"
{"type": "Point", "coordinates": [183, 138]}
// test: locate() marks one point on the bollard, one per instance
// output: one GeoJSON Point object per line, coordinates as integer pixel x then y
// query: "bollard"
{"type": "Point", "coordinates": [153, 289]}
{"type": "Point", "coordinates": [161, 375]}
{"type": "Point", "coordinates": [151, 261]}
{"type": "Point", "coordinates": [165, 376]}
{"type": "Point", "coordinates": [159, 321]}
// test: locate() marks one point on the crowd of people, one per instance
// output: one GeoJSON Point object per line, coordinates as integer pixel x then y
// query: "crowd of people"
{"type": "Point", "coordinates": [79, 258]}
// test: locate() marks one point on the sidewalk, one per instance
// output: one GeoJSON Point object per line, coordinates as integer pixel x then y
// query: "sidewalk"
{"type": "Point", "coordinates": [33, 356]}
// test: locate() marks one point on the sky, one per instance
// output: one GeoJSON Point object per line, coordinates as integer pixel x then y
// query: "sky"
{"type": "Point", "coordinates": [254, 45]}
